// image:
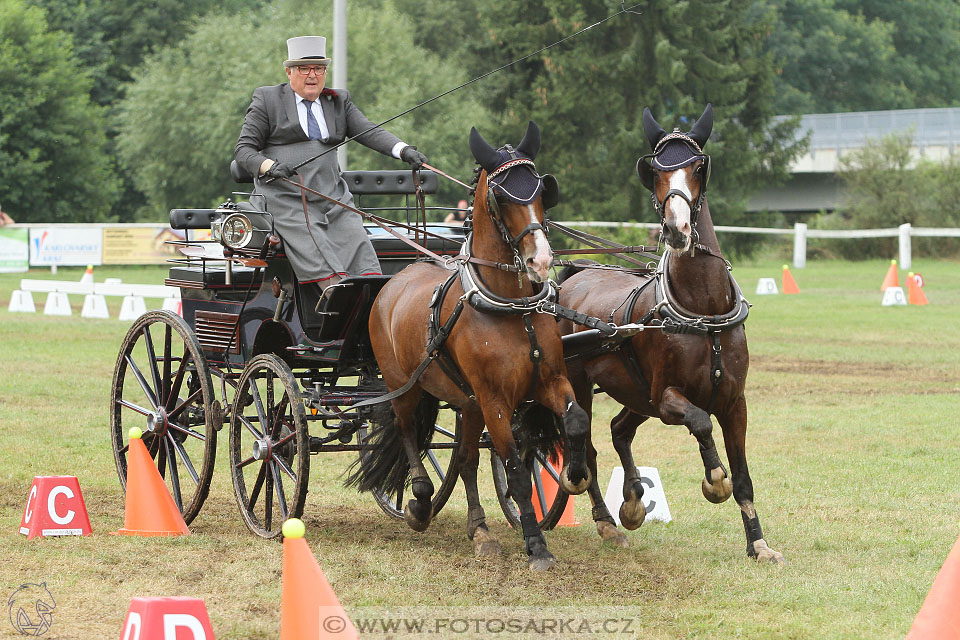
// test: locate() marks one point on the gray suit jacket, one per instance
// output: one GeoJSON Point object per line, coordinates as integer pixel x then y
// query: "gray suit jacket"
{"type": "Point", "coordinates": [272, 120]}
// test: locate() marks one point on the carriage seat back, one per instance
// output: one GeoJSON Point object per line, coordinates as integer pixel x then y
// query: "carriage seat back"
{"type": "Point", "coordinates": [193, 218]}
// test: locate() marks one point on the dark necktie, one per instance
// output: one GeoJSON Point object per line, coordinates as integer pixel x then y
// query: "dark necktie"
{"type": "Point", "coordinates": [313, 129]}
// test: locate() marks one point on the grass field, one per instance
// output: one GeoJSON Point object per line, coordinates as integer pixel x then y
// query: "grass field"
{"type": "Point", "coordinates": [852, 447]}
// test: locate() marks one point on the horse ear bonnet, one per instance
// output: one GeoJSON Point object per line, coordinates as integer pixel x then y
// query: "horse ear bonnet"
{"type": "Point", "coordinates": [511, 172]}
{"type": "Point", "coordinates": [673, 151]}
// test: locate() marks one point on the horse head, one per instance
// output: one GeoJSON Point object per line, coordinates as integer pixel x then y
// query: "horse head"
{"type": "Point", "coordinates": [677, 172]}
{"type": "Point", "coordinates": [514, 197]}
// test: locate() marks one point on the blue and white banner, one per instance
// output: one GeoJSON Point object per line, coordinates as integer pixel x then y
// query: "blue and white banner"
{"type": "Point", "coordinates": [14, 250]}
{"type": "Point", "coordinates": [65, 246]}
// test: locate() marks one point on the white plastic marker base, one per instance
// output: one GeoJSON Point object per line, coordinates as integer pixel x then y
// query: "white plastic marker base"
{"type": "Point", "coordinates": [893, 296]}
{"type": "Point", "coordinates": [654, 499]}
{"type": "Point", "coordinates": [132, 308]}
{"type": "Point", "coordinates": [174, 305]}
{"type": "Point", "coordinates": [57, 304]}
{"type": "Point", "coordinates": [94, 306]}
{"type": "Point", "coordinates": [21, 301]}
{"type": "Point", "coordinates": [767, 287]}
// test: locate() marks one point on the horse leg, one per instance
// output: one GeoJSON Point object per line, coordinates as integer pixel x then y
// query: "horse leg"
{"type": "Point", "coordinates": [676, 409]}
{"type": "Point", "coordinates": [734, 425]}
{"type": "Point", "coordinates": [419, 511]}
{"type": "Point", "coordinates": [623, 429]}
{"type": "Point", "coordinates": [518, 479]}
{"type": "Point", "coordinates": [576, 475]}
{"type": "Point", "coordinates": [484, 542]}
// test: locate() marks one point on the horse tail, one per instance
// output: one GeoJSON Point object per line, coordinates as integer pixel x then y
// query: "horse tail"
{"type": "Point", "coordinates": [539, 429]}
{"type": "Point", "coordinates": [383, 465]}
{"type": "Point", "coordinates": [574, 267]}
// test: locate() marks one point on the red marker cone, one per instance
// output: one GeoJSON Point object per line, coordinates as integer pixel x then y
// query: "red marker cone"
{"type": "Point", "coordinates": [308, 606]}
{"type": "Point", "coordinates": [150, 509]}
{"type": "Point", "coordinates": [891, 280]}
{"type": "Point", "coordinates": [939, 616]}
{"type": "Point", "coordinates": [789, 284]}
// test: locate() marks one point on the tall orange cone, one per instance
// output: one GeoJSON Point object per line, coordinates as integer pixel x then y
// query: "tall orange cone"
{"type": "Point", "coordinates": [87, 276]}
{"type": "Point", "coordinates": [149, 510]}
{"type": "Point", "coordinates": [309, 608]}
{"type": "Point", "coordinates": [891, 280]}
{"type": "Point", "coordinates": [789, 284]}
{"type": "Point", "coordinates": [550, 488]}
{"type": "Point", "coordinates": [915, 294]}
{"type": "Point", "coordinates": [939, 616]}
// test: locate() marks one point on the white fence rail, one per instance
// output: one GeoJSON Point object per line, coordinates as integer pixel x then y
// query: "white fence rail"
{"type": "Point", "coordinates": [800, 233]}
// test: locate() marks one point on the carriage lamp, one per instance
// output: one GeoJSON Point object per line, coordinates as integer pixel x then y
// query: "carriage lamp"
{"type": "Point", "coordinates": [280, 294]}
{"type": "Point", "coordinates": [242, 230]}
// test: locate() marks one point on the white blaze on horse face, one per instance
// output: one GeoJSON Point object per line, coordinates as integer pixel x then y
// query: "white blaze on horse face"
{"type": "Point", "coordinates": [679, 207]}
{"type": "Point", "coordinates": [538, 267]}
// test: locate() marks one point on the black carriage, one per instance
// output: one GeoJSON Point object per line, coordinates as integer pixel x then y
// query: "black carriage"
{"type": "Point", "coordinates": [281, 366]}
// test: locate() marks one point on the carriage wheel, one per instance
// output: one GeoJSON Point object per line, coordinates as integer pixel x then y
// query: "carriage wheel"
{"type": "Point", "coordinates": [441, 462]}
{"type": "Point", "coordinates": [551, 507]}
{"type": "Point", "coordinates": [161, 384]}
{"type": "Point", "coordinates": [269, 446]}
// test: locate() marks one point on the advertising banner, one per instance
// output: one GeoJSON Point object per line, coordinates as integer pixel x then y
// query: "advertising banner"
{"type": "Point", "coordinates": [65, 246]}
{"type": "Point", "coordinates": [139, 245]}
{"type": "Point", "coordinates": [14, 250]}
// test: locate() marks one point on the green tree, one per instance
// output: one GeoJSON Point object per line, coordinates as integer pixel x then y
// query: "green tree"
{"type": "Point", "coordinates": [588, 95]}
{"type": "Point", "coordinates": [53, 167]}
{"type": "Point", "coordinates": [182, 115]}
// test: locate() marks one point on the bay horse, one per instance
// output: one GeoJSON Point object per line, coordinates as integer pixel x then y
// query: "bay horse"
{"type": "Point", "coordinates": [695, 363]}
{"type": "Point", "coordinates": [495, 351]}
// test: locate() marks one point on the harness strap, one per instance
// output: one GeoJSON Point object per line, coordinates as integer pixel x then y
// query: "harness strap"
{"type": "Point", "coordinates": [536, 354]}
{"type": "Point", "coordinates": [716, 370]}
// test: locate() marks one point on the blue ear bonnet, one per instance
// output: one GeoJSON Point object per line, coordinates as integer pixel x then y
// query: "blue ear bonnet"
{"type": "Point", "coordinates": [516, 178]}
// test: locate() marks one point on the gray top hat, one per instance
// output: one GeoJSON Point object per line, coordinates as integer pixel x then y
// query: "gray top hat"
{"type": "Point", "coordinates": [306, 50]}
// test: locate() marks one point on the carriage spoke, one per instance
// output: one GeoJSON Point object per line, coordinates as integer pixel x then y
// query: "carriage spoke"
{"type": "Point", "coordinates": [189, 400]}
{"type": "Point", "coordinates": [188, 431]}
{"type": "Point", "coordinates": [243, 463]}
{"type": "Point", "coordinates": [137, 408]}
{"type": "Point", "coordinates": [268, 498]}
{"type": "Point", "coordinates": [147, 391]}
{"type": "Point", "coordinates": [438, 429]}
{"type": "Point", "coordinates": [278, 485]}
{"type": "Point", "coordinates": [255, 393]}
{"type": "Point", "coordinates": [249, 426]}
{"type": "Point", "coordinates": [285, 468]}
{"type": "Point", "coordinates": [178, 381]}
{"type": "Point", "coordinates": [174, 474]}
{"type": "Point", "coordinates": [436, 464]}
{"type": "Point", "coordinates": [538, 483]}
{"type": "Point", "coordinates": [545, 461]}
{"type": "Point", "coordinates": [152, 358]}
{"type": "Point", "coordinates": [167, 344]}
{"type": "Point", "coordinates": [268, 383]}
{"type": "Point", "coordinates": [279, 417]}
{"type": "Point", "coordinates": [185, 458]}
{"type": "Point", "coordinates": [161, 456]}
{"type": "Point", "coordinates": [257, 485]}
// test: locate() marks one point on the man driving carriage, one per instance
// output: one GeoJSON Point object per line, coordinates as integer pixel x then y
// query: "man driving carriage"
{"type": "Point", "coordinates": [289, 123]}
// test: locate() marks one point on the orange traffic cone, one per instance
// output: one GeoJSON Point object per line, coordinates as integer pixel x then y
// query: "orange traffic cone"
{"type": "Point", "coordinates": [789, 284]}
{"type": "Point", "coordinates": [915, 294]}
{"type": "Point", "coordinates": [939, 616]}
{"type": "Point", "coordinates": [149, 510]}
{"type": "Point", "coordinates": [891, 280]}
{"type": "Point", "coordinates": [87, 276]}
{"type": "Point", "coordinates": [308, 606]}
{"type": "Point", "coordinates": [550, 488]}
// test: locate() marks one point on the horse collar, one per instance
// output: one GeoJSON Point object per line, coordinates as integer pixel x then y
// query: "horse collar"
{"type": "Point", "coordinates": [677, 319]}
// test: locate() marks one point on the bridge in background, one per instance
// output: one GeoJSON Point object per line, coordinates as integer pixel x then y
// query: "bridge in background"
{"type": "Point", "coordinates": [814, 184]}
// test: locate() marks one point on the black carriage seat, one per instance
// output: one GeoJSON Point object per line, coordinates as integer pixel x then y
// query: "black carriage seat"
{"type": "Point", "coordinates": [193, 218]}
{"type": "Point", "coordinates": [345, 310]}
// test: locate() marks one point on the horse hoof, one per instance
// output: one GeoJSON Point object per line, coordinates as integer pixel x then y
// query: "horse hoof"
{"type": "Point", "coordinates": [719, 489]}
{"type": "Point", "coordinates": [412, 518]}
{"type": "Point", "coordinates": [611, 535]}
{"type": "Point", "coordinates": [763, 553]}
{"type": "Point", "coordinates": [543, 563]}
{"type": "Point", "coordinates": [485, 544]}
{"type": "Point", "coordinates": [632, 514]}
{"type": "Point", "coordinates": [569, 486]}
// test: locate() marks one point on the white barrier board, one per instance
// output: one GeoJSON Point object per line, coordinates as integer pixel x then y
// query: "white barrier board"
{"type": "Point", "coordinates": [767, 287]}
{"type": "Point", "coordinates": [654, 498]}
{"type": "Point", "coordinates": [893, 296]}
